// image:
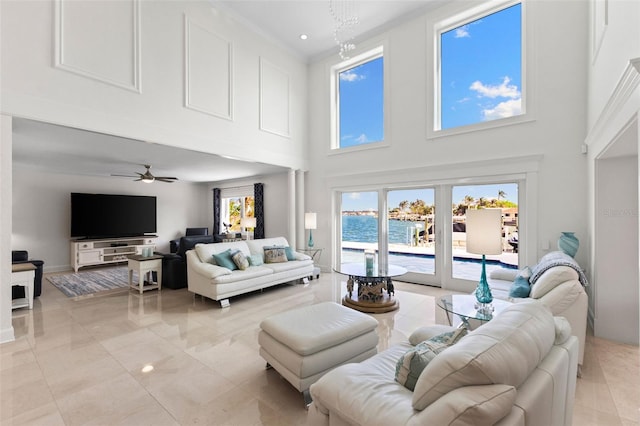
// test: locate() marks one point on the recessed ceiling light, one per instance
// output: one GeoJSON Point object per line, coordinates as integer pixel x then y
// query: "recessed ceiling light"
{"type": "Point", "coordinates": [303, 36]}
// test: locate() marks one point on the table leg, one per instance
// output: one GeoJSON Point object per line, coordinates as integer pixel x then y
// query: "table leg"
{"type": "Point", "coordinates": [141, 281]}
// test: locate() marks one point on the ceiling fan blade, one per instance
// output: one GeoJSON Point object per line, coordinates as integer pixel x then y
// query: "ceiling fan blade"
{"type": "Point", "coordinates": [124, 175]}
{"type": "Point", "coordinates": [166, 179]}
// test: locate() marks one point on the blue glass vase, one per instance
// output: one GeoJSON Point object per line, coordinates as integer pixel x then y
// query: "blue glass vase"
{"type": "Point", "coordinates": [568, 243]}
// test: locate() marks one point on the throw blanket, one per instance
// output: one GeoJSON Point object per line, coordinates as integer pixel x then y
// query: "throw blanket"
{"type": "Point", "coordinates": [556, 258]}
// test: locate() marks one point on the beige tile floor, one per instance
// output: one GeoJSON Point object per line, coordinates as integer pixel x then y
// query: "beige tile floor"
{"type": "Point", "coordinates": [77, 362]}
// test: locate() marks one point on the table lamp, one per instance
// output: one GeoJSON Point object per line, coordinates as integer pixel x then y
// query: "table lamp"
{"type": "Point", "coordinates": [484, 236]}
{"type": "Point", "coordinates": [248, 222]}
{"type": "Point", "coordinates": [310, 223]}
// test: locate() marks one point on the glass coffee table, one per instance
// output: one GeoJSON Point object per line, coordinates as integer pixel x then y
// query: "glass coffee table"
{"type": "Point", "coordinates": [464, 307]}
{"type": "Point", "coordinates": [374, 293]}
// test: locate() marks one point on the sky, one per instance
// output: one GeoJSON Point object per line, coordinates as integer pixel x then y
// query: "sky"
{"type": "Point", "coordinates": [359, 201]}
{"type": "Point", "coordinates": [481, 80]}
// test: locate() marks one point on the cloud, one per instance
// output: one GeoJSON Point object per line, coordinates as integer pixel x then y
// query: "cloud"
{"type": "Point", "coordinates": [462, 32]}
{"type": "Point", "coordinates": [362, 138]}
{"type": "Point", "coordinates": [504, 109]}
{"type": "Point", "coordinates": [350, 76]}
{"type": "Point", "coordinates": [504, 90]}
{"type": "Point", "coordinates": [354, 195]}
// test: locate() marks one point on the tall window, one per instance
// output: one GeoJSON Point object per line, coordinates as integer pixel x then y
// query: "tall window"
{"type": "Point", "coordinates": [480, 69]}
{"type": "Point", "coordinates": [359, 100]}
{"type": "Point", "coordinates": [233, 210]}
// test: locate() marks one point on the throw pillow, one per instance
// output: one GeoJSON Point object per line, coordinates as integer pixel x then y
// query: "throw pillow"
{"type": "Point", "coordinates": [410, 365]}
{"type": "Point", "coordinates": [255, 260]}
{"type": "Point", "coordinates": [521, 287]}
{"type": "Point", "coordinates": [275, 254]}
{"type": "Point", "coordinates": [240, 260]}
{"type": "Point", "coordinates": [224, 259]}
{"type": "Point", "coordinates": [291, 255]}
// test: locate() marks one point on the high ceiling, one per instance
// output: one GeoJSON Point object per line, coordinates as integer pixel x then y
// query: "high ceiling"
{"type": "Point", "coordinates": [54, 149]}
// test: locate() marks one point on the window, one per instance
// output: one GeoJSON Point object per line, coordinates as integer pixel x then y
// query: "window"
{"type": "Point", "coordinates": [233, 210]}
{"type": "Point", "coordinates": [480, 69]}
{"type": "Point", "coordinates": [359, 100]}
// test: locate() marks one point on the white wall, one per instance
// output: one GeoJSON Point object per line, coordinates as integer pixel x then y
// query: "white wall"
{"type": "Point", "coordinates": [6, 326]}
{"type": "Point", "coordinates": [613, 111]}
{"type": "Point", "coordinates": [41, 211]}
{"type": "Point", "coordinates": [99, 87]}
{"type": "Point", "coordinates": [616, 276]}
{"type": "Point", "coordinates": [555, 58]}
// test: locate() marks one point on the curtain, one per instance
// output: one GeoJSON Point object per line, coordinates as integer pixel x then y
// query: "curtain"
{"type": "Point", "coordinates": [258, 195]}
{"type": "Point", "coordinates": [216, 211]}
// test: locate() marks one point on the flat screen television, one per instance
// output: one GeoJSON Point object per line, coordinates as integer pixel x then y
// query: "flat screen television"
{"type": "Point", "coordinates": [109, 216]}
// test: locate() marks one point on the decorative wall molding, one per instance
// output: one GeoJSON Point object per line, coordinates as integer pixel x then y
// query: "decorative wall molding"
{"type": "Point", "coordinates": [275, 99]}
{"type": "Point", "coordinates": [64, 49]}
{"type": "Point", "coordinates": [208, 62]}
{"type": "Point", "coordinates": [629, 82]}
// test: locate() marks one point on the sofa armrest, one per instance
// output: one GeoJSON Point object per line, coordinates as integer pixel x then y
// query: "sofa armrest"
{"type": "Point", "coordinates": [472, 405]}
{"type": "Point", "coordinates": [552, 278]}
{"type": "Point", "coordinates": [504, 274]}
{"type": "Point", "coordinates": [425, 333]}
{"type": "Point", "coordinates": [208, 270]}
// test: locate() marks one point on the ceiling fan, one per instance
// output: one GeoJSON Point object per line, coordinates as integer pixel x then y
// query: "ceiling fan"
{"type": "Point", "coordinates": [147, 177]}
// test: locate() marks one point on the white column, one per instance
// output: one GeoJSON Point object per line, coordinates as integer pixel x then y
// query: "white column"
{"type": "Point", "coordinates": [6, 207]}
{"type": "Point", "coordinates": [300, 209]}
{"type": "Point", "coordinates": [292, 207]}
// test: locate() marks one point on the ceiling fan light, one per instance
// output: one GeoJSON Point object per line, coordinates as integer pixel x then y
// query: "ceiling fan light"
{"type": "Point", "coordinates": [147, 179]}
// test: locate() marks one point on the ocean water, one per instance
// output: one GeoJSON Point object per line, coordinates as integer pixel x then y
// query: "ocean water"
{"type": "Point", "coordinates": [364, 229]}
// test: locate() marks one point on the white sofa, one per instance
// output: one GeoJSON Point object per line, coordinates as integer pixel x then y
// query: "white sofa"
{"type": "Point", "coordinates": [558, 287]}
{"type": "Point", "coordinates": [220, 283]}
{"type": "Point", "coordinates": [518, 369]}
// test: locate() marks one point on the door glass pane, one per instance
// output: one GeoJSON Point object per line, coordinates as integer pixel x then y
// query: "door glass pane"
{"type": "Point", "coordinates": [503, 196]}
{"type": "Point", "coordinates": [411, 229]}
{"type": "Point", "coordinates": [359, 225]}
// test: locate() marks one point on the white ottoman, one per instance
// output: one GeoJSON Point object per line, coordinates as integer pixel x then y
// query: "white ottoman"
{"type": "Point", "coordinates": [305, 343]}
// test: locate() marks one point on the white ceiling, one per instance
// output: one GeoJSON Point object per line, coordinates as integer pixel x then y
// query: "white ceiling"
{"type": "Point", "coordinates": [55, 149]}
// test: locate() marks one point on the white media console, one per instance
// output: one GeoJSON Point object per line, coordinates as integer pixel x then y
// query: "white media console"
{"type": "Point", "coordinates": [106, 251]}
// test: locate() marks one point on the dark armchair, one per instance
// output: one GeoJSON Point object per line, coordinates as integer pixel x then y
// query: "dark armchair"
{"type": "Point", "coordinates": [174, 265]}
{"type": "Point", "coordinates": [22, 256]}
{"type": "Point", "coordinates": [174, 244]}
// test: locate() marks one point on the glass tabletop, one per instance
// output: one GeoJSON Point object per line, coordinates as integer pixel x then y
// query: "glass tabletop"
{"type": "Point", "coordinates": [359, 270]}
{"type": "Point", "coordinates": [464, 305]}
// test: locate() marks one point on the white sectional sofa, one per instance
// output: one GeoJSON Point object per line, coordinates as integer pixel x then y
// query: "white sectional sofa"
{"type": "Point", "coordinates": [219, 283]}
{"type": "Point", "coordinates": [517, 369]}
{"type": "Point", "coordinates": [559, 284]}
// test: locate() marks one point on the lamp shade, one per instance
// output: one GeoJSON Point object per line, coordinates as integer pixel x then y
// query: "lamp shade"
{"type": "Point", "coordinates": [309, 221]}
{"type": "Point", "coordinates": [248, 222]}
{"type": "Point", "coordinates": [484, 231]}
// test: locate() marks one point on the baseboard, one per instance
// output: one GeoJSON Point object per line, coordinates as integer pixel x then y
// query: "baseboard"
{"type": "Point", "coordinates": [7, 335]}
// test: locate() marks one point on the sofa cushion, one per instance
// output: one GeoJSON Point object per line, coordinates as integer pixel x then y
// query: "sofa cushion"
{"type": "Point", "coordinates": [551, 278]}
{"type": "Point", "coordinates": [206, 251]}
{"type": "Point", "coordinates": [240, 260]}
{"type": "Point", "coordinates": [411, 364]}
{"type": "Point", "coordinates": [224, 259]}
{"type": "Point", "coordinates": [472, 406]}
{"type": "Point", "coordinates": [275, 254]}
{"type": "Point", "coordinates": [423, 333]}
{"type": "Point", "coordinates": [503, 351]}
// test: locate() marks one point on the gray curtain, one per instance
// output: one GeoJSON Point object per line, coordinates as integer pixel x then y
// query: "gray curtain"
{"type": "Point", "coordinates": [216, 211]}
{"type": "Point", "coordinates": [258, 195]}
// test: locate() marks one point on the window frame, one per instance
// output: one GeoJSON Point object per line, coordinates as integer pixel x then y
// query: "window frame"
{"type": "Point", "coordinates": [463, 17]}
{"type": "Point", "coordinates": [379, 51]}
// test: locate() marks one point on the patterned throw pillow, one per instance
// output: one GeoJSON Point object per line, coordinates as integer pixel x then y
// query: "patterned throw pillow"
{"type": "Point", "coordinates": [411, 364]}
{"type": "Point", "coordinates": [240, 260]}
{"type": "Point", "coordinates": [224, 259]}
{"type": "Point", "coordinates": [275, 254]}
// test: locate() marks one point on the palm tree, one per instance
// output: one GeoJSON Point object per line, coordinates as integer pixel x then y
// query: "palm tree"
{"type": "Point", "coordinates": [501, 194]}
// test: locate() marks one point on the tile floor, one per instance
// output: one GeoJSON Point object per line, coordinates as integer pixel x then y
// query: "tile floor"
{"type": "Point", "coordinates": [83, 361]}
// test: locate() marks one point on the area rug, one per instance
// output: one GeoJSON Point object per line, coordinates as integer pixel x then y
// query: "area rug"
{"type": "Point", "coordinates": [85, 283]}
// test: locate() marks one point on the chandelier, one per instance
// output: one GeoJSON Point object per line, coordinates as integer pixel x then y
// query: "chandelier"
{"type": "Point", "coordinates": [345, 15]}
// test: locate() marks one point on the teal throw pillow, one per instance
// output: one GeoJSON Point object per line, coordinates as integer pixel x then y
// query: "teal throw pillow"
{"type": "Point", "coordinates": [520, 287]}
{"type": "Point", "coordinates": [240, 260]}
{"type": "Point", "coordinates": [255, 260]}
{"type": "Point", "coordinates": [290, 253]}
{"type": "Point", "coordinates": [410, 365]}
{"type": "Point", "coordinates": [224, 259]}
